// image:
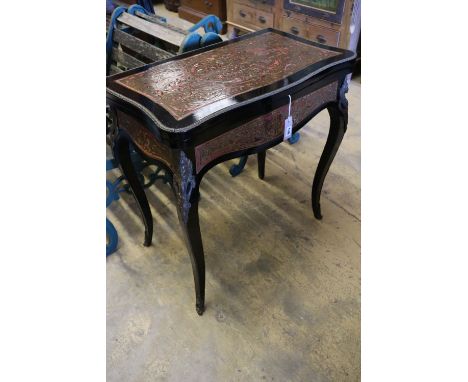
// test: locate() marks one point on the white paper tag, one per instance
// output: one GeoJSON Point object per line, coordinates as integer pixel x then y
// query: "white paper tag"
{"type": "Point", "coordinates": [288, 123]}
{"type": "Point", "coordinates": [287, 128]}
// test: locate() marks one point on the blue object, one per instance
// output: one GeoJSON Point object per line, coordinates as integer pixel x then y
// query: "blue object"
{"type": "Point", "coordinates": [210, 38]}
{"type": "Point", "coordinates": [236, 169]}
{"type": "Point", "coordinates": [112, 238]}
{"type": "Point", "coordinates": [147, 5]}
{"type": "Point", "coordinates": [294, 138]}
{"type": "Point", "coordinates": [210, 23]}
{"type": "Point", "coordinates": [137, 8]}
{"type": "Point", "coordinates": [113, 189]}
{"type": "Point", "coordinates": [190, 42]}
{"type": "Point", "coordinates": [110, 35]}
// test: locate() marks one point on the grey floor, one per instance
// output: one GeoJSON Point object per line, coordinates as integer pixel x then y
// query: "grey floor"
{"type": "Point", "coordinates": [282, 288]}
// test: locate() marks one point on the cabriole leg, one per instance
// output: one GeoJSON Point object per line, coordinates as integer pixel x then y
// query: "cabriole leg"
{"type": "Point", "coordinates": [186, 191]}
{"type": "Point", "coordinates": [121, 149]}
{"type": "Point", "coordinates": [338, 124]}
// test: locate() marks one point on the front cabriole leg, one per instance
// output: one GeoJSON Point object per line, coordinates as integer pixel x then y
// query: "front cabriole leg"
{"type": "Point", "coordinates": [338, 123]}
{"type": "Point", "coordinates": [186, 189]}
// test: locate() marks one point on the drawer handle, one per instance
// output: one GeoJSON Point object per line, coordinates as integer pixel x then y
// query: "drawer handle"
{"type": "Point", "coordinates": [321, 39]}
{"type": "Point", "coordinates": [262, 19]}
{"type": "Point", "coordinates": [242, 13]}
{"type": "Point", "coordinates": [294, 30]}
{"type": "Point", "coordinates": [208, 3]}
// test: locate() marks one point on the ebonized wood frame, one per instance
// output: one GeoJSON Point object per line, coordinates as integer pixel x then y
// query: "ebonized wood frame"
{"type": "Point", "coordinates": [176, 152]}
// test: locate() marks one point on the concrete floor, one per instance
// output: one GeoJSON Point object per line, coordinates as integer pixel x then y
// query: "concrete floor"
{"type": "Point", "coordinates": [282, 288]}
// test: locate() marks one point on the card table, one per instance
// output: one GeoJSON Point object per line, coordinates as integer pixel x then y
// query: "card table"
{"type": "Point", "coordinates": [193, 111]}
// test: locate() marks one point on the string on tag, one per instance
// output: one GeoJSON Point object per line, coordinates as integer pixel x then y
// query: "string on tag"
{"type": "Point", "coordinates": [288, 122]}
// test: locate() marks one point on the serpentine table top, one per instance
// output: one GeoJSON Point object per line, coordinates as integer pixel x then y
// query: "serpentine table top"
{"type": "Point", "coordinates": [192, 111]}
{"type": "Point", "coordinates": [178, 93]}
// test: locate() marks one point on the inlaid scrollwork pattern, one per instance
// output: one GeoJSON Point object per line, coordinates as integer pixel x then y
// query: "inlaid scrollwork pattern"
{"type": "Point", "coordinates": [265, 128]}
{"type": "Point", "coordinates": [186, 85]}
{"type": "Point", "coordinates": [144, 139]}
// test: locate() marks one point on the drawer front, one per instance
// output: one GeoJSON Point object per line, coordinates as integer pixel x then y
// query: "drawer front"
{"type": "Point", "coordinates": [293, 26]}
{"type": "Point", "coordinates": [243, 14]}
{"type": "Point", "coordinates": [263, 5]}
{"type": "Point", "coordinates": [323, 35]}
{"type": "Point", "coordinates": [263, 19]}
{"type": "Point", "coordinates": [204, 6]}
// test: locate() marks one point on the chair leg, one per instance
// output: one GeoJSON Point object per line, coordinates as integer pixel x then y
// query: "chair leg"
{"type": "Point", "coordinates": [295, 138]}
{"type": "Point", "coordinates": [112, 237]}
{"type": "Point", "coordinates": [236, 169]}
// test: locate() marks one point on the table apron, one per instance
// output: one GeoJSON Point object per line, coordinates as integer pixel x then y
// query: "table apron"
{"type": "Point", "coordinates": [265, 128]}
{"type": "Point", "coordinates": [145, 140]}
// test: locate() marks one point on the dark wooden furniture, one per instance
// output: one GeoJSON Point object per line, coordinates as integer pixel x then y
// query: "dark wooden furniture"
{"type": "Point", "coordinates": [172, 5]}
{"type": "Point", "coordinates": [195, 10]}
{"type": "Point", "coordinates": [330, 22]}
{"type": "Point", "coordinates": [191, 112]}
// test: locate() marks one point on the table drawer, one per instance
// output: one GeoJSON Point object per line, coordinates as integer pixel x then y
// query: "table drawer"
{"type": "Point", "coordinates": [293, 26]}
{"type": "Point", "coordinates": [263, 19]}
{"type": "Point", "coordinates": [243, 14]}
{"type": "Point", "coordinates": [251, 17]}
{"type": "Point", "coordinates": [323, 35]}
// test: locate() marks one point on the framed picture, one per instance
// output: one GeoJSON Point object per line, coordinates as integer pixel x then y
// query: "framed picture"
{"type": "Point", "coordinates": [330, 10]}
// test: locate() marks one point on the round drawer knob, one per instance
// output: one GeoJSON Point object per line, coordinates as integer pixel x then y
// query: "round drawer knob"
{"type": "Point", "coordinates": [294, 30]}
{"type": "Point", "coordinates": [321, 39]}
{"type": "Point", "coordinates": [262, 19]}
{"type": "Point", "coordinates": [242, 13]}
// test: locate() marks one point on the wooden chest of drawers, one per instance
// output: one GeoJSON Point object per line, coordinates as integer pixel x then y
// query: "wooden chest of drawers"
{"type": "Point", "coordinates": [251, 15]}
{"type": "Point", "coordinates": [245, 12]}
{"type": "Point", "coordinates": [195, 10]}
{"type": "Point", "coordinates": [310, 30]}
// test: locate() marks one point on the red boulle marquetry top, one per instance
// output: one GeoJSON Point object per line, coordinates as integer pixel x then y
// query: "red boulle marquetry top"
{"type": "Point", "coordinates": [184, 86]}
{"type": "Point", "coordinates": [194, 85]}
